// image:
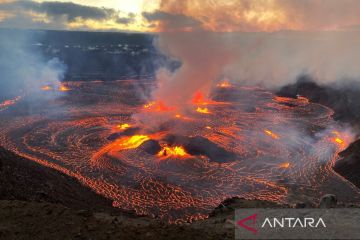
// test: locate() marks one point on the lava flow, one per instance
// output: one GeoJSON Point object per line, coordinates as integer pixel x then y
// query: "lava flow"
{"type": "Point", "coordinates": [203, 110]}
{"type": "Point", "coordinates": [7, 103]}
{"type": "Point", "coordinates": [224, 84]}
{"type": "Point", "coordinates": [62, 88]}
{"type": "Point", "coordinates": [252, 145]}
{"type": "Point", "coordinates": [271, 134]}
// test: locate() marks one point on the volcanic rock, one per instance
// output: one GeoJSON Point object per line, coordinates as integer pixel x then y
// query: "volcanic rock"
{"type": "Point", "coordinates": [229, 205]}
{"type": "Point", "coordinates": [201, 146]}
{"type": "Point", "coordinates": [306, 204]}
{"type": "Point", "coordinates": [343, 99]}
{"type": "Point", "coordinates": [349, 164]}
{"type": "Point", "coordinates": [23, 179]}
{"type": "Point", "coordinates": [328, 201]}
{"type": "Point", "coordinates": [150, 146]}
{"type": "Point", "coordinates": [33, 220]}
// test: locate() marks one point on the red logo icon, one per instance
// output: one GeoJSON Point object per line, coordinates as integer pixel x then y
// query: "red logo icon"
{"type": "Point", "coordinates": [252, 218]}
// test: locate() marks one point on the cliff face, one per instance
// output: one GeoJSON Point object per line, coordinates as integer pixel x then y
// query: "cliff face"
{"type": "Point", "coordinates": [23, 179]}
{"type": "Point", "coordinates": [342, 99]}
{"type": "Point", "coordinates": [349, 163]}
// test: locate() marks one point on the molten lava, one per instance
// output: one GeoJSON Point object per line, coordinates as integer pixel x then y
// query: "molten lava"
{"type": "Point", "coordinates": [338, 139]}
{"type": "Point", "coordinates": [132, 142]}
{"type": "Point", "coordinates": [303, 99]}
{"type": "Point", "coordinates": [158, 106]}
{"type": "Point", "coordinates": [149, 105]}
{"type": "Point", "coordinates": [8, 103]}
{"type": "Point", "coordinates": [285, 165]}
{"type": "Point", "coordinates": [176, 151]}
{"type": "Point", "coordinates": [199, 99]}
{"type": "Point", "coordinates": [271, 134]}
{"type": "Point", "coordinates": [64, 88]}
{"type": "Point", "coordinates": [203, 110]}
{"type": "Point", "coordinates": [123, 126]}
{"type": "Point", "coordinates": [46, 88]}
{"type": "Point", "coordinates": [61, 88]}
{"type": "Point", "coordinates": [166, 180]}
{"type": "Point", "coordinates": [224, 84]}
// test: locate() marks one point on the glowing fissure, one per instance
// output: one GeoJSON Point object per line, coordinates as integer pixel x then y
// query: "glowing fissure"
{"type": "Point", "coordinates": [176, 151]}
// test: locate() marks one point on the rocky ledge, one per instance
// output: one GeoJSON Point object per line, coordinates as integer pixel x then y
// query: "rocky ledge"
{"type": "Point", "coordinates": [348, 165]}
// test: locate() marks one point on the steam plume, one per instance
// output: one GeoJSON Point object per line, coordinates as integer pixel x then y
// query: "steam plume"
{"type": "Point", "coordinates": [24, 70]}
{"type": "Point", "coordinates": [270, 59]}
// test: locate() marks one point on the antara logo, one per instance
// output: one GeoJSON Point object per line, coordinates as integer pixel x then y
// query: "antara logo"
{"type": "Point", "coordinates": [252, 218]}
{"type": "Point", "coordinates": [293, 222]}
{"type": "Point", "coordinates": [287, 222]}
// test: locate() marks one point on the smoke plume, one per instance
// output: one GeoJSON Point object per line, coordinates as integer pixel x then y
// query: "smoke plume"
{"type": "Point", "coordinates": [200, 65]}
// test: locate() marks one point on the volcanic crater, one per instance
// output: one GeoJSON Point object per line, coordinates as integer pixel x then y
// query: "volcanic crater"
{"type": "Point", "coordinates": [175, 163]}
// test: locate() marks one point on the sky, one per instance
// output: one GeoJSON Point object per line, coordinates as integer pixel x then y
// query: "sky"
{"type": "Point", "coordinates": [184, 15]}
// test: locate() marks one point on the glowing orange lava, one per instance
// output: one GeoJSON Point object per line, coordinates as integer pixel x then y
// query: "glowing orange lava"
{"type": "Point", "coordinates": [200, 99]}
{"type": "Point", "coordinates": [64, 88]}
{"type": "Point", "coordinates": [203, 110]}
{"type": "Point", "coordinates": [123, 126]}
{"type": "Point", "coordinates": [46, 88]}
{"type": "Point", "coordinates": [271, 134]}
{"type": "Point", "coordinates": [285, 165]}
{"type": "Point", "coordinates": [224, 84]}
{"type": "Point", "coordinates": [338, 139]}
{"type": "Point", "coordinates": [162, 107]}
{"type": "Point", "coordinates": [133, 141]}
{"type": "Point", "coordinates": [158, 106]}
{"type": "Point", "coordinates": [148, 105]}
{"type": "Point", "coordinates": [8, 103]}
{"type": "Point", "coordinates": [176, 151]}
{"type": "Point", "coordinates": [173, 184]}
{"type": "Point", "coordinates": [303, 99]}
